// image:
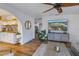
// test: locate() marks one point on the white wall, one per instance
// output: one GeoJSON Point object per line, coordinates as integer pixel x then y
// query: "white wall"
{"type": "Point", "coordinates": [74, 28]}
{"type": "Point", "coordinates": [27, 35]}
{"type": "Point", "coordinates": [73, 25]}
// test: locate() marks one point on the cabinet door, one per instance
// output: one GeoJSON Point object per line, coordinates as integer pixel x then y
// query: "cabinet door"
{"type": "Point", "coordinates": [50, 36]}
{"type": "Point", "coordinates": [57, 37]}
{"type": "Point", "coordinates": [54, 36]}
{"type": "Point", "coordinates": [65, 37]}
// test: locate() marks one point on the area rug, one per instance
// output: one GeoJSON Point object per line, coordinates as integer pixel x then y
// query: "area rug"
{"type": "Point", "coordinates": [50, 49]}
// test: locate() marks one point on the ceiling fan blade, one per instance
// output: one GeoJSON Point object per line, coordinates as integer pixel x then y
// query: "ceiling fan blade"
{"type": "Point", "coordinates": [47, 10]}
{"type": "Point", "coordinates": [59, 9]}
{"type": "Point", "coordinates": [48, 3]}
{"type": "Point", "coordinates": [57, 6]}
{"type": "Point", "coordinates": [70, 4]}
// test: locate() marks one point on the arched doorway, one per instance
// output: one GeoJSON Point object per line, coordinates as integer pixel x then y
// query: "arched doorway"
{"type": "Point", "coordinates": [10, 27]}
{"type": "Point", "coordinates": [22, 18]}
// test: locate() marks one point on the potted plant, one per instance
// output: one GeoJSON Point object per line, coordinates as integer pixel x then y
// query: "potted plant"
{"type": "Point", "coordinates": [42, 36]}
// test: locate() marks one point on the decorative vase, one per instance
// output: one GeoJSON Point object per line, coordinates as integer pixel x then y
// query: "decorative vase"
{"type": "Point", "coordinates": [57, 48]}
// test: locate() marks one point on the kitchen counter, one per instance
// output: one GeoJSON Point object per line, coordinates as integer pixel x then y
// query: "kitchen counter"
{"type": "Point", "coordinates": [59, 32]}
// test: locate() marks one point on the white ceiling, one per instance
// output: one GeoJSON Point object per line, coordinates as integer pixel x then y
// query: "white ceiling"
{"type": "Point", "coordinates": [31, 8]}
{"type": "Point", "coordinates": [38, 8]}
{"type": "Point", "coordinates": [4, 12]}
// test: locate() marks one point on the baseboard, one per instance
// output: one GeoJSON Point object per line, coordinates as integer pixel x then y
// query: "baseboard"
{"type": "Point", "coordinates": [28, 42]}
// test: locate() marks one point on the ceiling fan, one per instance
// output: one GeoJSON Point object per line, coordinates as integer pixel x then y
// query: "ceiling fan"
{"type": "Point", "coordinates": [58, 6]}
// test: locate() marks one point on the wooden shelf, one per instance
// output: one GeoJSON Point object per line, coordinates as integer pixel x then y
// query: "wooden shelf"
{"type": "Point", "coordinates": [8, 32]}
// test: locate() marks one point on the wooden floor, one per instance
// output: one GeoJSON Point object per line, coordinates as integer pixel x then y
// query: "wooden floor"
{"type": "Point", "coordinates": [20, 50]}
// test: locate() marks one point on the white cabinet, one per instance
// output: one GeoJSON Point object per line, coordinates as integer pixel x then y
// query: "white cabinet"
{"type": "Point", "coordinates": [8, 37]}
{"type": "Point", "coordinates": [65, 37]}
{"type": "Point", "coordinates": [58, 37]}
{"type": "Point", "coordinates": [50, 36]}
